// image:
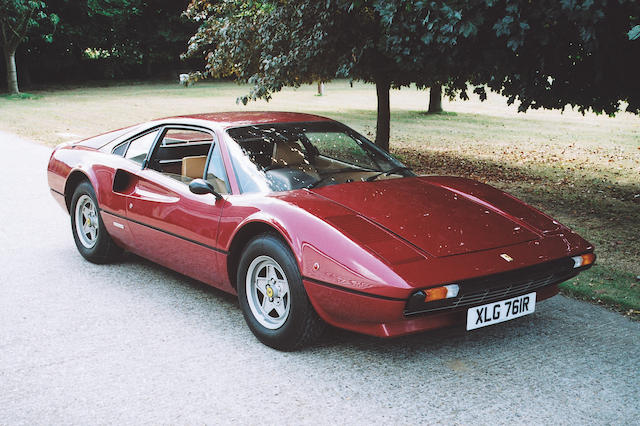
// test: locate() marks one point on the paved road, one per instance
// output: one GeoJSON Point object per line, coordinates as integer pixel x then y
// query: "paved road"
{"type": "Point", "coordinates": [136, 343]}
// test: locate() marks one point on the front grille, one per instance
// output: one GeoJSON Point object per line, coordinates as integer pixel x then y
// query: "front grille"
{"type": "Point", "coordinates": [491, 288]}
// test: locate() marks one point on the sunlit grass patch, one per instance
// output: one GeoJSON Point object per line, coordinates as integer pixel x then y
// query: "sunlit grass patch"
{"type": "Point", "coordinates": [601, 284]}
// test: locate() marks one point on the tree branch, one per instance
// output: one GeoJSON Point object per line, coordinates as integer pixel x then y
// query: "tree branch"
{"type": "Point", "coordinates": [24, 27]}
{"type": "Point", "coordinates": [21, 30]}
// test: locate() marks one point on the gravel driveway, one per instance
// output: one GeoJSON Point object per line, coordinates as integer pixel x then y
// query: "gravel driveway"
{"type": "Point", "coordinates": [137, 343]}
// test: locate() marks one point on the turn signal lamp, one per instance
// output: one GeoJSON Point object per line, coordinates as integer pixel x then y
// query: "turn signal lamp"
{"type": "Point", "coordinates": [583, 260]}
{"type": "Point", "coordinates": [439, 293]}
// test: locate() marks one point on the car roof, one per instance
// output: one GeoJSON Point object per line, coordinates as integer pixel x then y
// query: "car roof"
{"type": "Point", "coordinates": [239, 118]}
{"type": "Point", "coordinates": [219, 120]}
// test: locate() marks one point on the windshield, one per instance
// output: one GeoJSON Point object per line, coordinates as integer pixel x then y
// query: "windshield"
{"type": "Point", "coordinates": [281, 157]}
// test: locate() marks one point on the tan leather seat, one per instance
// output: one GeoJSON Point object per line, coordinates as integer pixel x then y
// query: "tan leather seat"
{"type": "Point", "coordinates": [290, 155]}
{"type": "Point", "coordinates": [287, 154]}
{"type": "Point", "coordinates": [193, 167]}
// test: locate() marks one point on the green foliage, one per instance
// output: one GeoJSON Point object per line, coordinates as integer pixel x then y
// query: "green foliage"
{"type": "Point", "coordinates": [273, 44]}
{"type": "Point", "coordinates": [18, 18]}
{"type": "Point", "coordinates": [111, 39]}
{"type": "Point", "coordinates": [113, 8]}
{"type": "Point", "coordinates": [544, 54]}
{"type": "Point", "coordinates": [557, 53]}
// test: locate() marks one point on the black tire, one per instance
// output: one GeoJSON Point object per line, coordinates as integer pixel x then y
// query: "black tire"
{"type": "Point", "coordinates": [302, 324]}
{"type": "Point", "coordinates": [99, 248]}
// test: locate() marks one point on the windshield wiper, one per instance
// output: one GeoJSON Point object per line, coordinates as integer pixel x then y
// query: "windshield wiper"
{"type": "Point", "coordinates": [387, 172]}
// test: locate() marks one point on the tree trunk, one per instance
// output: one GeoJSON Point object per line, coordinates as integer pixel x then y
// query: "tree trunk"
{"type": "Point", "coordinates": [320, 88]}
{"type": "Point", "coordinates": [384, 112]}
{"type": "Point", "coordinates": [435, 99]}
{"type": "Point", "coordinates": [12, 74]}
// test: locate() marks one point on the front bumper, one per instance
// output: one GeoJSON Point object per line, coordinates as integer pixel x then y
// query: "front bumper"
{"type": "Point", "coordinates": [388, 317]}
{"type": "Point", "coordinates": [492, 288]}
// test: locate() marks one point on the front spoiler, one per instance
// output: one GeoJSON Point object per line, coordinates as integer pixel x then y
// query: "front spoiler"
{"type": "Point", "coordinates": [383, 317]}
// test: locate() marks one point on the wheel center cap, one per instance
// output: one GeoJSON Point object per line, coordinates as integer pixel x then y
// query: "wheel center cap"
{"type": "Point", "coordinates": [270, 292]}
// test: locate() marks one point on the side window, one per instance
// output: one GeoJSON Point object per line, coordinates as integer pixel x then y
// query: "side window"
{"type": "Point", "coordinates": [182, 153]}
{"type": "Point", "coordinates": [139, 147]}
{"type": "Point", "coordinates": [216, 174]}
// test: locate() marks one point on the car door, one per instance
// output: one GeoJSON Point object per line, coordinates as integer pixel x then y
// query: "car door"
{"type": "Point", "coordinates": [171, 225]}
{"type": "Point", "coordinates": [112, 194]}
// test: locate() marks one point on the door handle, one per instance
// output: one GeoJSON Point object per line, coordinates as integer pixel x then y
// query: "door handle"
{"type": "Point", "coordinates": [149, 195]}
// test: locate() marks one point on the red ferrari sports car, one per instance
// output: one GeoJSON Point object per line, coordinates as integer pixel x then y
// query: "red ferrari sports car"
{"type": "Point", "coordinates": [310, 223]}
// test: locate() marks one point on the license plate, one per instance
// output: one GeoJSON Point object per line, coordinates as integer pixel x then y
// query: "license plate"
{"type": "Point", "coordinates": [504, 310]}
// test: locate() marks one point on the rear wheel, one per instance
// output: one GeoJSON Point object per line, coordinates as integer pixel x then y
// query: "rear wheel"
{"type": "Point", "coordinates": [90, 235]}
{"type": "Point", "coordinates": [273, 300]}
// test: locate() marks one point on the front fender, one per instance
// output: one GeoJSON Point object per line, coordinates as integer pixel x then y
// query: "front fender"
{"type": "Point", "coordinates": [324, 252]}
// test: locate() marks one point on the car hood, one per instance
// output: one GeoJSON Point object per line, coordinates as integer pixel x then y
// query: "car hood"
{"type": "Point", "coordinates": [443, 216]}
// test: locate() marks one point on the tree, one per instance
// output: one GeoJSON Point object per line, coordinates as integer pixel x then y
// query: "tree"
{"type": "Point", "coordinates": [98, 39]}
{"type": "Point", "coordinates": [568, 52]}
{"type": "Point", "coordinates": [145, 32]}
{"type": "Point", "coordinates": [17, 18]}
{"type": "Point", "coordinates": [273, 44]}
{"type": "Point", "coordinates": [544, 54]}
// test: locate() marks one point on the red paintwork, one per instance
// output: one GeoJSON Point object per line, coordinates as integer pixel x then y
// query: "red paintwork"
{"type": "Point", "coordinates": [225, 120]}
{"type": "Point", "coordinates": [431, 216]}
{"type": "Point", "coordinates": [383, 238]}
{"type": "Point", "coordinates": [383, 318]}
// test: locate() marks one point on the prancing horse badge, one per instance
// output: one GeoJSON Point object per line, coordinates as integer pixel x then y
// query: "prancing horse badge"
{"type": "Point", "coordinates": [506, 257]}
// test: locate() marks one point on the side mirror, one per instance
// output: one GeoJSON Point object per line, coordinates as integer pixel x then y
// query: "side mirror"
{"type": "Point", "coordinates": [201, 186]}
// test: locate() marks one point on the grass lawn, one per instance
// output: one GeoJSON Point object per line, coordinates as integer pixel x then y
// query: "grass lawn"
{"type": "Point", "coordinates": [582, 170]}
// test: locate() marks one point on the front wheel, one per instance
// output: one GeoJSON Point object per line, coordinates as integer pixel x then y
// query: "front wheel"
{"type": "Point", "coordinates": [91, 237]}
{"type": "Point", "coordinates": [272, 298]}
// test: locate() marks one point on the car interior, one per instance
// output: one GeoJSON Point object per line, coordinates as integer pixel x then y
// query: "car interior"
{"type": "Point", "coordinates": [289, 163]}
{"type": "Point", "coordinates": [181, 154]}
